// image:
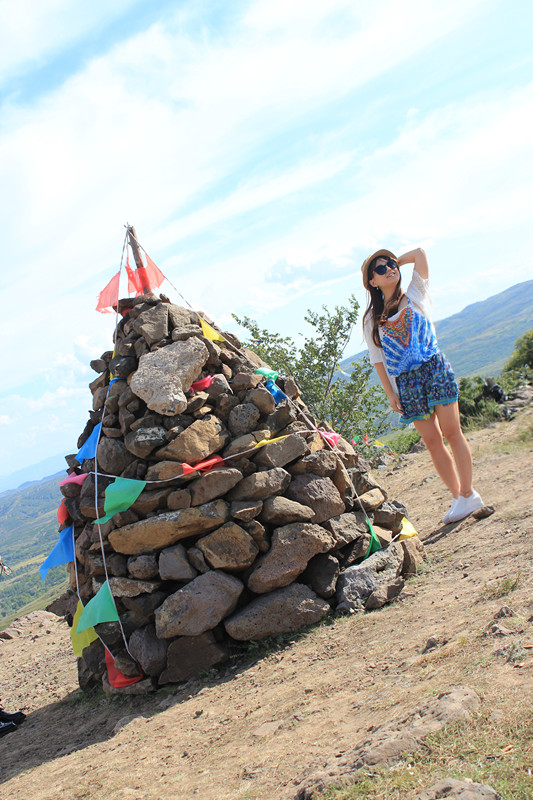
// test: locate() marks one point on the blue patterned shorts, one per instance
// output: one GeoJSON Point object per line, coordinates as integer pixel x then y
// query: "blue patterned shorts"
{"type": "Point", "coordinates": [431, 384]}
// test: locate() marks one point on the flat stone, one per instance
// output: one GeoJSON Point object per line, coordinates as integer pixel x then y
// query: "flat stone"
{"type": "Point", "coordinates": [198, 606]}
{"type": "Point", "coordinates": [142, 441]}
{"type": "Point", "coordinates": [201, 439]}
{"type": "Point", "coordinates": [128, 587]}
{"type": "Point", "coordinates": [163, 377]}
{"type": "Point", "coordinates": [243, 419]}
{"type": "Point", "coordinates": [214, 484]}
{"type": "Point", "coordinates": [291, 549]}
{"type": "Point", "coordinates": [229, 548]}
{"type": "Point", "coordinates": [152, 324]}
{"type": "Point", "coordinates": [414, 555]}
{"type": "Point", "coordinates": [246, 510]}
{"type": "Point", "coordinates": [280, 453]}
{"type": "Point", "coordinates": [164, 471]}
{"type": "Point", "coordinates": [281, 511]}
{"type": "Point", "coordinates": [155, 533]}
{"type": "Point", "coordinates": [358, 582]}
{"type": "Point", "coordinates": [174, 564]}
{"type": "Point", "coordinates": [318, 493]}
{"type": "Point", "coordinates": [190, 655]}
{"type": "Point", "coordinates": [148, 650]}
{"type": "Point", "coordinates": [143, 567]}
{"type": "Point", "coordinates": [321, 462]}
{"type": "Point", "coordinates": [261, 485]}
{"type": "Point", "coordinates": [283, 611]}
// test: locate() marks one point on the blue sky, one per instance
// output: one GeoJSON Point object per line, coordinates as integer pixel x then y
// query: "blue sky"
{"type": "Point", "coordinates": [261, 149]}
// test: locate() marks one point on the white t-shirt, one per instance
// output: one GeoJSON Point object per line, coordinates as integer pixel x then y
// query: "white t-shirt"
{"type": "Point", "coordinates": [418, 294]}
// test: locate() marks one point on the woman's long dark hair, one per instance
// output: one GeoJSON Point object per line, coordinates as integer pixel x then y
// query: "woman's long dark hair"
{"type": "Point", "coordinates": [377, 308]}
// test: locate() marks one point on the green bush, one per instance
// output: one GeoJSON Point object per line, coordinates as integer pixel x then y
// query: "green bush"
{"type": "Point", "coordinates": [475, 409]}
{"type": "Point", "coordinates": [401, 441]}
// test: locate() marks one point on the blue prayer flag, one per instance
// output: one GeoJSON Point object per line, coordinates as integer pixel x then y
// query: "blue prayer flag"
{"type": "Point", "coordinates": [88, 450]}
{"type": "Point", "coordinates": [62, 553]}
{"type": "Point", "coordinates": [275, 391]}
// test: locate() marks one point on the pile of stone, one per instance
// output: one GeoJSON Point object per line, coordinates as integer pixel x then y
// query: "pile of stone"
{"type": "Point", "coordinates": [266, 542]}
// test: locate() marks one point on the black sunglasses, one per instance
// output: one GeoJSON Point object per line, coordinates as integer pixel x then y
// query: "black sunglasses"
{"type": "Point", "coordinates": [381, 269]}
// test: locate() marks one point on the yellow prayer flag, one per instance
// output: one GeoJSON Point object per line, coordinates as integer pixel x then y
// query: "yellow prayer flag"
{"type": "Point", "coordinates": [269, 441]}
{"type": "Point", "coordinates": [83, 639]}
{"type": "Point", "coordinates": [379, 444]}
{"type": "Point", "coordinates": [210, 333]}
{"type": "Point", "coordinates": [408, 530]}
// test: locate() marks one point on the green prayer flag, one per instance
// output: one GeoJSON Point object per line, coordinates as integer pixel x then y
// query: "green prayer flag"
{"type": "Point", "coordinates": [81, 640]}
{"type": "Point", "coordinates": [374, 545]}
{"type": "Point", "coordinates": [267, 373]}
{"type": "Point", "coordinates": [120, 495]}
{"type": "Point", "coordinates": [100, 608]}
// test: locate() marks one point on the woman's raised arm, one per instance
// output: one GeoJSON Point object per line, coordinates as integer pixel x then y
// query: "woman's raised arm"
{"type": "Point", "coordinates": [419, 259]}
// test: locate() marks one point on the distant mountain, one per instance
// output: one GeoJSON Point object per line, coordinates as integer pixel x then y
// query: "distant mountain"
{"type": "Point", "coordinates": [34, 472]}
{"type": "Point", "coordinates": [480, 338]}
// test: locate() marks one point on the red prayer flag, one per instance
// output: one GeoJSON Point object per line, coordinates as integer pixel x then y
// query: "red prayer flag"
{"type": "Point", "coordinates": [108, 297]}
{"type": "Point", "coordinates": [202, 466]}
{"type": "Point", "coordinates": [365, 438]}
{"type": "Point", "coordinates": [62, 513]}
{"type": "Point", "coordinates": [197, 386]}
{"type": "Point", "coordinates": [144, 279]}
{"type": "Point", "coordinates": [116, 678]}
{"type": "Point", "coordinates": [330, 437]}
{"type": "Point", "coordinates": [134, 280]}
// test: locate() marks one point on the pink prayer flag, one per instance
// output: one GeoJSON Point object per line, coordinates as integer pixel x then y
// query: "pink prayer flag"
{"type": "Point", "coordinates": [330, 437]}
{"type": "Point", "coordinates": [204, 383]}
{"type": "Point", "coordinates": [202, 466]}
{"type": "Point", "coordinates": [108, 297]}
{"type": "Point", "coordinates": [74, 479]}
{"type": "Point", "coordinates": [62, 513]}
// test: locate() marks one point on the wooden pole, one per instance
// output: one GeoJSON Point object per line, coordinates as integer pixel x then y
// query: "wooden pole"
{"type": "Point", "coordinates": [132, 236]}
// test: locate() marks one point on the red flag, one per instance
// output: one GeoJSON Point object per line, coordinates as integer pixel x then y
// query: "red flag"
{"type": "Point", "coordinates": [330, 437]}
{"type": "Point", "coordinates": [365, 438]}
{"type": "Point", "coordinates": [108, 297]}
{"type": "Point", "coordinates": [202, 466]}
{"type": "Point", "coordinates": [134, 279]}
{"type": "Point", "coordinates": [115, 676]}
{"type": "Point", "coordinates": [203, 383]}
{"type": "Point", "coordinates": [155, 276]}
{"type": "Point", "coordinates": [144, 279]}
{"type": "Point", "coordinates": [62, 513]}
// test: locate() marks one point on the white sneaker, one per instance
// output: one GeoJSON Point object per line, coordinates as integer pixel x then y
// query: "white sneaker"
{"type": "Point", "coordinates": [446, 517]}
{"type": "Point", "coordinates": [464, 506]}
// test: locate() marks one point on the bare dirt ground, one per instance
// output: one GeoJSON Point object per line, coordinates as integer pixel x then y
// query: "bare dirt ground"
{"type": "Point", "coordinates": [251, 730]}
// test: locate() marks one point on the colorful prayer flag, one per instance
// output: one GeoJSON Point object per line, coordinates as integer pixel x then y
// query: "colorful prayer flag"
{"type": "Point", "coordinates": [210, 333]}
{"type": "Point", "coordinates": [275, 391]}
{"type": "Point", "coordinates": [330, 436]}
{"type": "Point", "coordinates": [120, 495]}
{"type": "Point", "coordinates": [202, 466]}
{"type": "Point", "coordinates": [100, 608]}
{"type": "Point", "coordinates": [88, 450]}
{"type": "Point", "coordinates": [108, 297]}
{"type": "Point", "coordinates": [263, 442]}
{"type": "Point", "coordinates": [116, 678]}
{"type": "Point", "coordinates": [203, 383]}
{"type": "Point", "coordinates": [267, 373]}
{"type": "Point", "coordinates": [80, 640]}
{"type": "Point", "coordinates": [62, 513]}
{"type": "Point", "coordinates": [408, 530]}
{"type": "Point", "coordinates": [74, 479]}
{"type": "Point", "coordinates": [374, 545]}
{"type": "Point", "coordinates": [62, 553]}
{"type": "Point", "coordinates": [144, 279]}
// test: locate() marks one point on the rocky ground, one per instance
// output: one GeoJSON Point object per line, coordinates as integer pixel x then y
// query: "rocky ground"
{"type": "Point", "coordinates": [274, 722]}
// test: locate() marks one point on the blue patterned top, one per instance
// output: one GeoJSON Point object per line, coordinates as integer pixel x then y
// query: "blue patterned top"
{"type": "Point", "coordinates": [408, 340]}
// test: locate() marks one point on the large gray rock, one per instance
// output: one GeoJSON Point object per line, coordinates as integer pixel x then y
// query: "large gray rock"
{"type": "Point", "coordinates": [214, 484]}
{"type": "Point", "coordinates": [243, 419]}
{"type": "Point", "coordinates": [281, 511]}
{"type": "Point", "coordinates": [174, 564]}
{"type": "Point", "coordinates": [201, 439]}
{"type": "Point", "coordinates": [229, 548]}
{"type": "Point", "coordinates": [142, 441]}
{"type": "Point", "coordinates": [113, 456]}
{"type": "Point", "coordinates": [152, 324]}
{"type": "Point", "coordinates": [198, 606]}
{"type": "Point", "coordinates": [320, 494]}
{"type": "Point", "coordinates": [155, 533]}
{"type": "Point", "coordinates": [189, 655]}
{"type": "Point", "coordinates": [357, 583]}
{"type": "Point", "coordinates": [283, 611]}
{"type": "Point", "coordinates": [148, 650]}
{"type": "Point", "coordinates": [261, 485]}
{"type": "Point", "coordinates": [164, 376]}
{"type": "Point", "coordinates": [291, 549]}
{"type": "Point", "coordinates": [280, 453]}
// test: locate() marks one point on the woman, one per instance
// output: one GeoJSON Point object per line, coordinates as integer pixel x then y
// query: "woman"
{"type": "Point", "coordinates": [416, 376]}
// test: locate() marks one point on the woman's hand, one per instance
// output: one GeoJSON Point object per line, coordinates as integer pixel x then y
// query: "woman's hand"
{"type": "Point", "coordinates": [394, 401]}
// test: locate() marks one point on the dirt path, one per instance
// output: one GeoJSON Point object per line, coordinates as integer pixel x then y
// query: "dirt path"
{"type": "Point", "coordinates": [250, 732]}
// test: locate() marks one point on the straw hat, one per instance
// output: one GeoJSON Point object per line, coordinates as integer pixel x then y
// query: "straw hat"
{"type": "Point", "coordinates": [368, 261]}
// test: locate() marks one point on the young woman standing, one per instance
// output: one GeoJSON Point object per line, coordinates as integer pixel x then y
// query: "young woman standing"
{"type": "Point", "coordinates": [416, 376]}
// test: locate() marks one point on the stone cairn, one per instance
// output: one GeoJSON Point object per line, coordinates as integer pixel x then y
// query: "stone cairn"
{"type": "Point", "coordinates": [263, 544]}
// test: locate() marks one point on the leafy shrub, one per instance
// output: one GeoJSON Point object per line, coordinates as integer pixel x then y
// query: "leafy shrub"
{"type": "Point", "coordinates": [475, 409]}
{"type": "Point", "coordinates": [402, 441]}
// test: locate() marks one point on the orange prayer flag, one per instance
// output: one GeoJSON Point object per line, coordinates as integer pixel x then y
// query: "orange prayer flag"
{"type": "Point", "coordinates": [108, 297]}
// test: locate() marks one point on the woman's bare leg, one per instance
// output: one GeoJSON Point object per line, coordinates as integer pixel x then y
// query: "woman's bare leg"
{"type": "Point", "coordinates": [450, 425]}
{"type": "Point", "coordinates": [429, 430]}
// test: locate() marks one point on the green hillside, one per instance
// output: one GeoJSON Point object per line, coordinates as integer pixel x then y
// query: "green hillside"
{"type": "Point", "coordinates": [480, 338]}
{"type": "Point", "coordinates": [28, 532]}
